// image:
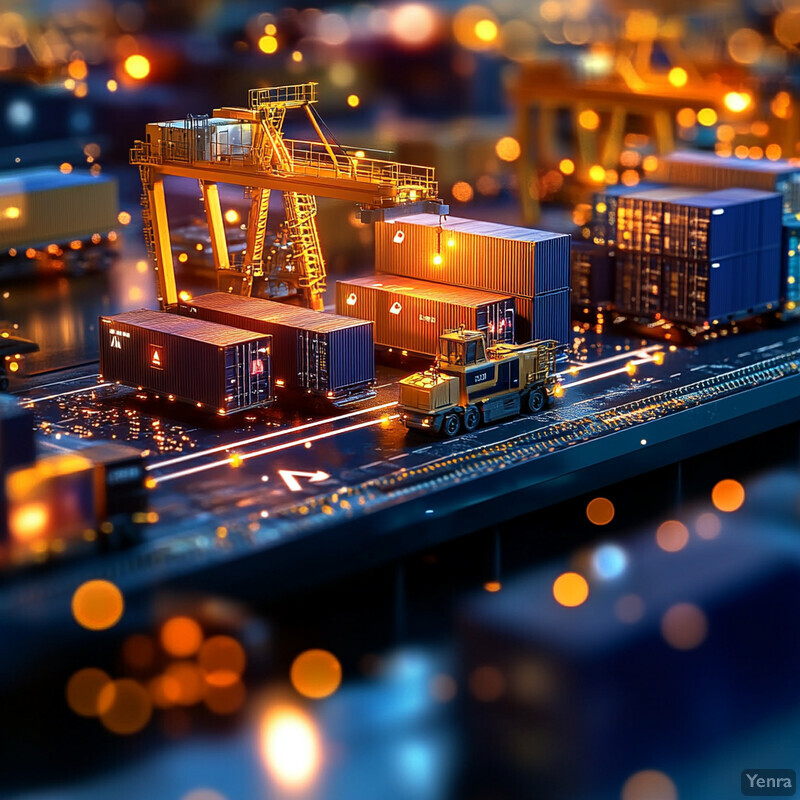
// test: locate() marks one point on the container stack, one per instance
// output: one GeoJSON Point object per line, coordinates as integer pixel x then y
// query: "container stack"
{"type": "Point", "coordinates": [697, 258]}
{"type": "Point", "coordinates": [591, 277]}
{"type": "Point", "coordinates": [323, 354]}
{"type": "Point", "coordinates": [410, 314]}
{"type": "Point", "coordinates": [531, 266]}
{"type": "Point", "coordinates": [790, 267]}
{"type": "Point", "coordinates": [709, 171]}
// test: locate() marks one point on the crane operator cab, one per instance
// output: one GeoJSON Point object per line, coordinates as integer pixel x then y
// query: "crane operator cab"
{"type": "Point", "coordinates": [471, 384]}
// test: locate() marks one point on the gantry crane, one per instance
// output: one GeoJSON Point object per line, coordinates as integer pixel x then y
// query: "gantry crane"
{"type": "Point", "coordinates": [246, 147]}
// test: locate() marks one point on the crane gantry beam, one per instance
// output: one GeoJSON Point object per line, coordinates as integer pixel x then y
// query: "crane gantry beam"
{"type": "Point", "coordinates": [245, 147]}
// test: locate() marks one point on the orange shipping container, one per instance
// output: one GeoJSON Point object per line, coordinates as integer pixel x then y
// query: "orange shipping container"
{"type": "Point", "coordinates": [467, 252]}
{"type": "Point", "coordinates": [410, 314]}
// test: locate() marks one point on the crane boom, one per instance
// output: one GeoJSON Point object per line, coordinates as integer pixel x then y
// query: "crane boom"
{"type": "Point", "coordinates": [246, 147]}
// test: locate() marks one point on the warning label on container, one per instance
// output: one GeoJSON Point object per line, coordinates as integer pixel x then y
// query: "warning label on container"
{"type": "Point", "coordinates": [256, 367]}
{"type": "Point", "coordinates": [156, 356]}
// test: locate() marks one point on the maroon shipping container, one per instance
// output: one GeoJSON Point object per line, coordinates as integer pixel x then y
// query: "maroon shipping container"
{"type": "Point", "coordinates": [482, 255]}
{"type": "Point", "coordinates": [212, 366]}
{"type": "Point", "coordinates": [324, 354]}
{"type": "Point", "coordinates": [409, 314]}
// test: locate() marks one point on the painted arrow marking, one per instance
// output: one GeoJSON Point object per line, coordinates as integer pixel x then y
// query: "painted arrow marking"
{"type": "Point", "coordinates": [290, 477]}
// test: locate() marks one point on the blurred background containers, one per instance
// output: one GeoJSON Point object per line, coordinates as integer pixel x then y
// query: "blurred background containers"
{"type": "Point", "coordinates": [710, 171]}
{"type": "Point", "coordinates": [327, 354]}
{"type": "Point", "coordinates": [790, 266]}
{"type": "Point", "coordinates": [45, 206]}
{"type": "Point", "coordinates": [212, 366]}
{"type": "Point", "coordinates": [591, 277]}
{"type": "Point", "coordinates": [410, 314]}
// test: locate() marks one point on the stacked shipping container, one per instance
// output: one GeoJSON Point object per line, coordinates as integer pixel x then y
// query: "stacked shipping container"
{"type": "Point", "coordinates": [591, 276]}
{"type": "Point", "coordinates": [790, 266]}
{"type": "Point", "coordinates": [696, 258]}
{"type": "Point", "coordinates": [209, 365]}
{"type": "Point", "coordinates": [409, 314]}
{"type": "Point", "coordinates": [710, 171]}
{"type": "Point", "coordinates": [524, 263]}
{"type": "Point", "coordinates": [325, 354]}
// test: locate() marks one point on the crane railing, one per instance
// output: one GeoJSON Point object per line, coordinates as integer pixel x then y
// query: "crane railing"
{"type": "Point", "coordinates": [296, 95]}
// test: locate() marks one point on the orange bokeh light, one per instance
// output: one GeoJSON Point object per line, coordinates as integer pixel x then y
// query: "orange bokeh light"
{"type": "Point", "coordinates": [181, 637]}
{"type": "Point", "coordinates": [97, 605]}
{"type": "Point", "coordinates": [570, 589]}
{"type": "Point", "coordinates": [728, 495]}
{"type": "Point", "coordinates": [600, 511]}
{"type": "Point", "coordinates": [316, 674]}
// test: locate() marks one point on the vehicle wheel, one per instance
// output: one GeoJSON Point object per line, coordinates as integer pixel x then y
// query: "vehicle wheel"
{"type": "Point", "coordinates": [537, 400]}
{"type": "Point", "coordinates": [472, 418]}
{"type": "Point", "coordinates": [451, 425]}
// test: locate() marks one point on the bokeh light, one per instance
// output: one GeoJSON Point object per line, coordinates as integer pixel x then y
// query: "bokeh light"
{"type": "Point", "coordinates": [125, 706]}
{"type": "Point", "coordinates": [629, 608]}
{"type": "Point", "coordinates": [672, 536]}
{"type": "Point", "coordinates": [316, 674]}
{"type": "Point", "coordinates": [570, 589]}
{"type": "Point", "coordinates": [507, 149]}
{"type": "Point", "coordinates": [290, 746]}
{"type": "Point", "coordinates": [609, 561]}
{"type": "Point", "coordinates": [83, 691]}
{"type": "Point", "coordinates": [181, 636]}
{"type": "Point", "coordinates": [97, 605]}
{"type": "Point", "coordinates": [137, 66]}
{"type": "Point", "coordinates": [728, 495]}
{"type": "Point", "coordinates": [649, 784]}
{"type": "Point", "coordinates": [708, 526]}
{"type": "Point", "coordinates": [600, 511]}
{"type": "Point", "coordinates": [684, 626]}
{"type": "Point", "coordinates": [413, 24]}
{"type": "Point", "coordinates": [487, 684]}
{"type": "Point", "coordinates": [222, 659]}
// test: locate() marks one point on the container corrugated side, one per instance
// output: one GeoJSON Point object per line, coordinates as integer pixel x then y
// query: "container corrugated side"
{"type": "Point", "coordinates": [409, 315]}
{"type": "Point", "coordinates": [592, 276]}
{"type": "Point", "coordinates": [709, 171]}
{"type": "Point", "coordinates": [38, 213]}
{"type": "Point", "coordinates": [311, 350]}
{"type": "Point", "coordinates": [545, 316]}
{"type": "Point", "coordinates": [480, 255]}
{"type": "Point", "coordinates": [219, 367]}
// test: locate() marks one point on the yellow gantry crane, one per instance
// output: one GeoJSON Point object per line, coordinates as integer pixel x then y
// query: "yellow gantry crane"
{"type": "Point", "coordinates": [246, 147]}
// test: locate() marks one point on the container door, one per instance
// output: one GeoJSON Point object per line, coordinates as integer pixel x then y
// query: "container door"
{"type": "Point", "coordinates": [313, 357]}
{"type": "Point", "coordinates": [246, 375]}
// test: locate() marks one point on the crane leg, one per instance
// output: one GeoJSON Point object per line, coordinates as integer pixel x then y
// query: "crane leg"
{"type": "Point", "coordinates": [165, 267]}
{"type": "Point", "coordinates": [257, 229]}
{"type": "Point", "coordinates": [216, 225]}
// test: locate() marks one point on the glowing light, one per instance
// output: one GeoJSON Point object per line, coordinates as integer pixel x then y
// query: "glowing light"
{"type": "Point", "coordinates": [353, 100]}
{"type": "Point", "coordinates": [184, 296]}
{"type": "Point", "coordinates": [508, 149]}
{"type": "Point", "coordinates": [83, 691]}
{"type": "Point", "coordinates": [728, 495]}
{"type": "Point", "coordinates": [297, 56]}
{"type": "Point", "coordinates": [97, 605]}
{"type": "Point", "coordinates": [678, 77]}
{"type": "Point", "coordinates": [126, 706]}
{"type": "Point", "coordinates": [437, 260]}
{"type": "Point", "coordinates": [570, 589]}
{"type": "Point", "coordinates": [650, 163]}
{"type": "Point", "coordinates": [492, 586]}
{"type": "Point", "coordinates": [567, 166]}
{"type": "Point", "coordinates": [672, 536]}
{"type": "Point", "coordinates": [181, 636]}
{"type": "Point", "coordinates": [463, 192]}
{"type": "Point", "coordinates": [184, 683]}
{"type": "Point", "coordinates": [268, 44]}
{"type": "Point", "coordinates": [112, 85]}
{"type": "Point", "coordinates": [124, 218]}
{"type": "Point", "coordinates": [600, 511]}
{"type": "Point", "coordinates": [707, 117]}
{"type": "Point", "coordinates": [66, 168]}
{"type": "Point", "coordinates": [222, 659]}
{"type": "Point", "coordinates": [649, 784]}
{"type": "Point", "coordinates": [746, 46]}
{"type": "Point", "coordinates": [684, 626]}
{"type": "Point", "coordinates": [609, 561]}
{"type": "Point", "coordinates": [13, 366]}
{"type": "Point", "coordinates": [183, 258]}
{"type": "Point", "coordinates": [137, 66]}
{"type": "Point", "coordinates": [232, 216]}
{"type": "Point", "coordinates": [589, 120]}
{"type": "Point", "coordinates": [77, 69]}
{"type": "Point", "coordinates": [736, 102]}
{"type": "Point", "coordinates": [290, 746]}
{"type": "Point", "coordinates": [486, 30]}
{"type": "Point", "coordinates": [316, 674]}
{"type": "Point", "coordinates": [596, 173]}
{"type": "Point", "coordinates": [708, 526]}
{"type": "Point", "coordinates": [773, 151]}
{"type": "Point", "coordinates": [225, 699]}
{"type": "Point", "coordinates": [413, 24]}
{"type": "Point", "coordinates": [12, 212]}
{"type": "Point", "coordinates": [686, 117]}
{"type": "Point", "coordinates": [270, 29]}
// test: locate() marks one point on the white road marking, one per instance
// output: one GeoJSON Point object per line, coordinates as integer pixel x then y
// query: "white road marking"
{"type": "Point", "coordinates": [290, 477]}
{"type": "Point", "coordinates": [64, 394]}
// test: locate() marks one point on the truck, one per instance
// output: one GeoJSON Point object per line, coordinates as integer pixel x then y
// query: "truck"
{"type": "Point", "coordinates": [471, 385]}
